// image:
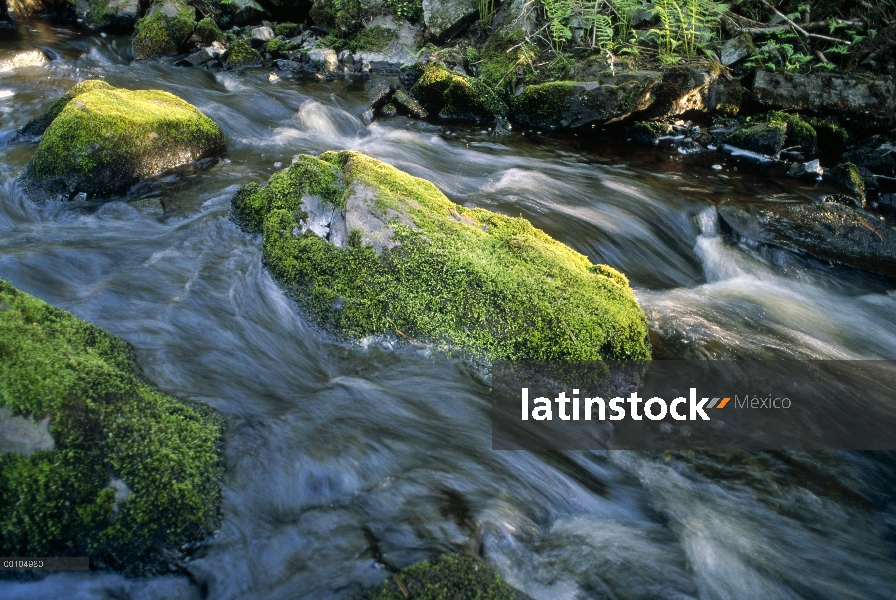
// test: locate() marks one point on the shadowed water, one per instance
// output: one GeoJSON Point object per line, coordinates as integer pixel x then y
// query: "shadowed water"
{"type": "Point", "coordinates": [346, 461]}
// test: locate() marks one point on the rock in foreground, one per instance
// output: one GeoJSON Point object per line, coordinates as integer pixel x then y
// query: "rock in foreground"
{"type": "Point", "coordinates": [447, 578]}
{"type": "Point", "coordinates": [104, 140]}
{"type": "Point", "coordinates": [127, 475]}
{"type": "Point", "coordinates": [370, 250]}
{"type": "Point", "coordinates": [827, 230]}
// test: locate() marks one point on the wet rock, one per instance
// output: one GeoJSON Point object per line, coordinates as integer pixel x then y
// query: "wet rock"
{"type": "Point", "coordinates": [502, 127]}
{"type": "Point", "coordinates": [887, 201]}
{"type": "Point", "coordinates": [807, 170]}
{"type": "Point", "coordinates": [456, 97]}
{"type": "Point", "coordinates": [261, 35]}
{"type": "Point", "coordinates": [420, 267]}
{"type": "Point", "coordinates": [388, 110]}
{"type": "Point", "coordinates": [244, 11]}
{"type": "Point", "coordinates": [407, 105]}
{"type": "Point", "coordinates": [200, 57]}
{"type": "Point", "coordinates": [112, 440]}
{"type": "Point", "coordinates": [104, 140]}
{"type": "Point", "coordinates": [862, 98]}
{"type": "Point", "coordinates": [446, 18]}
{"type": "Point", "coordinates": [828, 231]}
{"type": "Point", "coordinates": [378, 93]}
{"type": "Point", "coordinates": [20, 60]}
{"type": "Point", "coordinates": [164, 30]}
{"type": "Point", "coordinates": [763, 138]}
{"type": "Point", "coordinates": [322, 60]}
{"type": "Point", "coordinates": [847, 177]}
{"type": "Point", "coordinates": [736, 49]}
{"type": "Point", "coordinates": [574, 104]}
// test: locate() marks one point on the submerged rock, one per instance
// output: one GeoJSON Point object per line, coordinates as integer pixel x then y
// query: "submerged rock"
{"type": "Point", "coordinates": [81, 415]}
{"type": "Point", "coordinates": [451, 95]}
{"type": "Point", "coordinates": [102, 140]}
{"type": "Point", "coordinates": [827, 230]}
{"type": "Point", "coordinates": [164, 30]}
{"type": "Point", "coordinates": [369, 251]}
{"type": "Point", "coordinates": [452, 576]}
{"type": "Point", "coordinates": [571, 104]}
{"type": "Point", "coordinates": [19, 60]}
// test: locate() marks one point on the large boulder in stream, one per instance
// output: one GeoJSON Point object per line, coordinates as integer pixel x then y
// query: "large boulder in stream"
{"type": "Point", "coordinates": [100, 140]}
{"type": "Point", "coordinates": [453, 96]}
{"type": "Point", "coordinates": [369, 250]}
{"type": "Point", "coordinates": [828, 230]}
{"type": "Point", "coordinates": [93, 461]}
{"type": "Point", "coordinates": [448, 577]}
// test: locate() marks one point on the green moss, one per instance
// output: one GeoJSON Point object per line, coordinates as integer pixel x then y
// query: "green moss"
{"type": "Point", "coordinates": [375, 39]}
{"type": "Point", "coordinates": [157, 35]}
{"type": "Point", "coordinates": [832, 138]}
{"type": "Point", "coordinates": [542, 104]}
{"type": "Point", "coordinates": [502, 58]}
{"type": "Point", "coordinates": [107, 423]}
{"type": "Point", "coordinates": [40, 124]}
{"type": "Point", "coordinates": [240, 55]}
{"type": "Point", "coordinates": [451, 577]}
{"type": "Point", "coordinates": [285, 29]}
{"type": "Point", "coordinates": [847, 176]}
{"type": "Point", "coordinates": [455, 96]}
{"type": "Point", "coordinates": [764, 138]}
{"type": "Point", "coordinates": [799, 132]}
{"type": "Point", "coordinates": [208, 31]}
{"type": "Point", "coordinates": [489, 285]}
{"type": "Point", "coordinates": [106, 136]}
{"type": "Point", "coordinates": [278, 46]}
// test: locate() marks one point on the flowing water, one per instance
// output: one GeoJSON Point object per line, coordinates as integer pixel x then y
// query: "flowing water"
{"type": "Point", "coordinates": [346, 461]}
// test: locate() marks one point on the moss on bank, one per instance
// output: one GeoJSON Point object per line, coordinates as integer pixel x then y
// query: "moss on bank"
{"type": "Point", "coordinates": [454, 96]}
{"type": "Point", "coordinates": [432, 271]}
{"type": "Point", "coordinates": [450, 577]}
{"type": "Point", "coordinates": [107, 139]}
{"type": "Point", "coordinates": [543, 103]}
{"type": "Point", "coordinates": [207, 31]}
{"type": "Point", "coordinates": [159, 35]}
{"type": "Point", "coordinates": [107, 425]}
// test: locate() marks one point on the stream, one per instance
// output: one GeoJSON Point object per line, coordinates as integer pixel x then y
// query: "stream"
{"type": "Point", "coordinates": [346, 461]}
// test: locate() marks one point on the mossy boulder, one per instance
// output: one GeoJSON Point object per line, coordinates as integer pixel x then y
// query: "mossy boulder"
{"type": "Point", "coordinates": [451, 95]}
{"type": "Point", "coordinates": [369, 250]}
{"type": "Point", "coordinates": [131, 477]}
{"type": "Point", "coordinates": [241, 55]}
{"type": "Point", "coordinates": [36, 127]}
{"type": "Point", "coordinates": [570, 104]}
{"type": "Point", "coordinates": [103, 140]}
{"type": "Point", "coordinates": [451, 577]}
{"type": "Point", "coordinates": [164, 30]}
{"type": "Point", "coordinates": [800, 134]}
{"type": "Point", "coordinates": [649, 132]}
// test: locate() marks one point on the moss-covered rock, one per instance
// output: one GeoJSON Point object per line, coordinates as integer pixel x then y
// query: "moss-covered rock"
{"type": "Point", "coordinates": [503, 58]}
{"type": "Point", "coordinates": [241, 55]}
{"type": "Point", "coordinates": [451, 95]}
{"type": "Point", "coordinates": [800, 134]}
{"type": "Point", "coordinates": [847, 177]}
{"type": "Point", "coordinates": [570, 104]}
{"type": "Point", "coordinates": [832, 137]}
{"type": "Point", "coordinates": [207, 31]}
{"type": "Point", "coordinates": [451, 577]}
{"type": "Point", "coordinates": [876, 155]}
{"type": "Point", "coordinates": [369, 250]}
{"type": "Point", "coordinates": [133, 474]}
{"type": "Point", "coordinates": [164, 30]}
{"type": "Point", "coordinates": [36, 127]}
{"type": "Point", "coordinates": [764, 138]}
{"type": "Point", "coordinates": [649, 132]}
{"type": "Point", "coordinates": [104, 140]}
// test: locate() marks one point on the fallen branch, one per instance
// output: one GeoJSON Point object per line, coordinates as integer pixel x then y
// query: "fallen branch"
{"type": "Point", "coordinates": [803, 31]}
